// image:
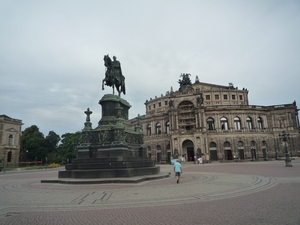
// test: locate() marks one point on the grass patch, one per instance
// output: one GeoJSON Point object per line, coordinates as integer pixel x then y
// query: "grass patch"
{"type": "Point", "coordinates": [8, 169]}
{"type": "Point", "coordinates": [34, 168]}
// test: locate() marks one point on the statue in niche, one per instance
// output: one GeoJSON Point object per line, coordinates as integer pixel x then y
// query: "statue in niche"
{"type": "Point", "coordinates": [200, 100]}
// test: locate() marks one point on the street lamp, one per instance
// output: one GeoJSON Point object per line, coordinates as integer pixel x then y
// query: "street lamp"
{"type": "Point", "coordinates": [238, 152]}
{"type": "Point", "coordinates": [252, 153]}
{"type": "Point", "coordinates": [285, 137]}
{"type": "Point", "coordinates": [276, 150]}
{"type": "Point", "coordinates": [266, 149]}
{"type": "Point", "coordinates": [4, 164]}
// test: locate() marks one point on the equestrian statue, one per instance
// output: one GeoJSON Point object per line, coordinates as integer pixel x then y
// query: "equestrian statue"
{"type": "Point", "coordinates": [113, 75]}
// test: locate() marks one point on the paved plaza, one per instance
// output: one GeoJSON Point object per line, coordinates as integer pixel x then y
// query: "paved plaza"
{"type": "Point", "coordinates": [244, 193]}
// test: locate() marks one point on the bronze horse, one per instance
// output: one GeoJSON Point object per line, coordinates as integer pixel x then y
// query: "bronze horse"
{"type": "Point", "coordinates": [113, 75]}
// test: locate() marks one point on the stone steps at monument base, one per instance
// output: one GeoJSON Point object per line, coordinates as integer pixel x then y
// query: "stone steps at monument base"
{"type": "Point", "coordinates": [112, 159]}
{"type": "Point", "coordinates": [107, 165]}
{"type": "Point", "coordinates": [109, 173]}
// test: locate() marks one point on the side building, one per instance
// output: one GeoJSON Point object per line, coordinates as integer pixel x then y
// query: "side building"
{"type": "Point", "coordinates": [10, 131]}
{"type": "Point", "coordinates": [216, 122]}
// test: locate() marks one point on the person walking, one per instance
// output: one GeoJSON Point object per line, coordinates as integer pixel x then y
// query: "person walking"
{"type": "Point", "coordinates": [177, 170]}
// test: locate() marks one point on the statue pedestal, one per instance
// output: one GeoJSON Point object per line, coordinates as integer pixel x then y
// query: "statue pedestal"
{"type": "Point", "coordinates": [113, 149]}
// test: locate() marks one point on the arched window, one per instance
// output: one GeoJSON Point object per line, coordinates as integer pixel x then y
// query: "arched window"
{"type": "Point", "coordinates": [210, 123]}
{"type": "Point", "coordinates": [158, 147]}
{"type": "Point", "coordinates": [226, 144]}
{"type": "Point", "coordinates": [237, 123]}
{"type": "Point", "coordinates": [10, 140]}
{"type": "Point", "coordinates": [240, 144]}
{"type": "Point", "coordinates": [249, 123]}
{"type": "Point", "coordinates": [186, 116]}
{"type": "Point", "coordinates": [148, 129]}
{"type": "Point", "coordinates": [224, 123]}
{"type": "Point", "coordinates": [167, 127]}
{"type": "Point", "coordinates": [212, 145]}
{"type": "Point", "coordinates": [168, 147]}
{"type": "Point", "coordinates": [158, 128]}
{"type": "Point", "coordinates": [260, 123]}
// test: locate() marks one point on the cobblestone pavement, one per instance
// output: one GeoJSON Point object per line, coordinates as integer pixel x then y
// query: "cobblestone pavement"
{"type": "Point", "coordinates": [216, 193]}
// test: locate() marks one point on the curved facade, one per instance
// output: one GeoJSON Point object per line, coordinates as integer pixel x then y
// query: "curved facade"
{"type": "Point", "coordinates": [216, 122]}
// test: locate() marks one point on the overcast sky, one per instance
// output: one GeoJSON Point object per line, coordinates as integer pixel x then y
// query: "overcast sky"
{"type": "Point", "coordinates": [51, 53]}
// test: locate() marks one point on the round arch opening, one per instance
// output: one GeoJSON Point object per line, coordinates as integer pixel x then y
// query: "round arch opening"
{"type": "Point", "coordinates": [188, 151]}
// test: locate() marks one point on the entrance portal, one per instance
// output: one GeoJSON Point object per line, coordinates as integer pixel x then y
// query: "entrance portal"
{"type": "Point", "coordinates": [241, 154]}
{"type": "Point", "coordinates": [158, 157]}
{"type": "Point", "coordinates": [169, 157]}
{"type": "Point", "coordinates": [228, 154]}
{"type": "Point", "coordinates": [213, 155]}
{"type": "Point", "coordinates": [190, 152]}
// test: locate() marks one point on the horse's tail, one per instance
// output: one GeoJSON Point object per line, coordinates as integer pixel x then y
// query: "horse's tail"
{"type": "Point", "coordinates": [123, 85]}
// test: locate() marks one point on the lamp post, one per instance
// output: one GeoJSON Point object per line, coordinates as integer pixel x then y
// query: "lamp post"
{"type": "Point", "coordinates": [252, 153]}
{"type": "Point", "coordinates": [4, 164]}
{"type": "Point", "coordinates": [276, 153]}
{"type": "Point", "coordinates": [266, 149]}
{"type": "Point", "coordinates": [285, 137]}
{"type": "Point", "coordinates": [223, 154]}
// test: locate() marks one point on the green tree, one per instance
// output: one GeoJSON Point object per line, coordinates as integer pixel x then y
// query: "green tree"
{"type": "Point", "coordinates": [32, 141]}
{"type": "Point", "coordinates": [51, 142]}
{"type": "Point", "coordinates": [67, 148]}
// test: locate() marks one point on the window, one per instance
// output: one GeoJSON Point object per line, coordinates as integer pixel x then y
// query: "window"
{"type": "Point", "coordinates": [167, 127]}
{"type": "Point", "coordinates": [186, 116]}
{"type": "Point", "coordinates": [260, 123]}
{"type": "Point", "coordinates": [149, 107]}
{"type": "Point", "coordinates": [233, 97]}
{"type": "Point", "coordinates": [225, 97]}
{"type": "Point", "coordinates": [249, 123]}
{"type": "Point", "coordinates": [168, 147]}
{"type": "Point", "coordinates": [207, 97]}
{"type": "Point", "coordinates": [166, 102]}
{"type": "Point", "coordinates": [226, 144]}
{"type": "Point", "coordinates": [153, 106]}
{"type": "Point", "coordinates": [241, 97]}
{"type": "Point", "coordinates": [159, 104]}
{"type": "Point", "coordinates": [158, 128]}
{"type": "Point", "coordinates": [240, 144]}
{"type": "Point", "coordinates": [212, 145]}
{"type": "Point", "coordinates": [148, 129]}
{"type": "Point", "coordinates": [10, 140]}
{"type": "Point", "coordinates": [237, 123]}
{"type": "Point", "coordinates": [216, 97]}
{"type": "Point", "coordinates": [9, 156]}
{"type": "Point", "coordinates": [224, 123]}
{"type": "Point", "coordinates": [210, 123]}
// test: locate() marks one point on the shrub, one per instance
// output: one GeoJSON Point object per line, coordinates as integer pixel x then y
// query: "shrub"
{"type": "Point", "coordinates": [53, 165]}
